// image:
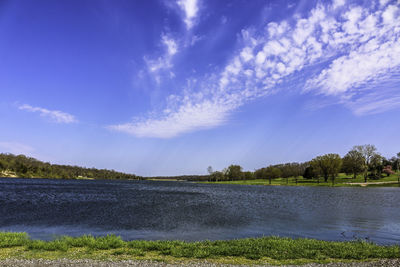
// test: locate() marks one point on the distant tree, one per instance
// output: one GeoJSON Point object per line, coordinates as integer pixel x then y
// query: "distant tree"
{"type": "Point", "coordinates": [286, 169]}
{"type": "Point", "coordinates": [368, 151]}
{"type": "Point", "coordinates": [292, 169]}
{"type": "Point", "coordinates": [210, 170]}
{"type": "Point", "coordinates": [327, 165]}
{"type": "Point", "coordinates": [398, 167]}
{"type": "Point", "coordinates": [248, 175]}
{"type": "Point", "coordinates": [298, 170]}
{"type": "Point", "coordinates": [225, 172]}
{"type": "Point", "coordinates": [216, 176]}
{"type": "Point", "coordinates": [388, 170]}
{"type": "Point", "coordinates": [309, 172]}
{"type": "Point", "coordinates": [234, 172]}
{"type": "Point", "coordinates": [393, 162]}
{"type": "Point", "coordinates": [260, 174]}
{"type": "Point", "coordinates": [376, 166]}
{"type": "Point", "coordinates": [386, 162]}
{"type": "Point", "coordinates": [353, 162]}
{"type": "Point", "coordinates": [272, 172]}
{"type": "Point", "coordinates": [29, 167]}
{"type": "Point", "coordinates": [20, 166]}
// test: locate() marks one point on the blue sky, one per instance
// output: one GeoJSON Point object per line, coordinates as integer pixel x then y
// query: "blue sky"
{"type": "Point", "coordinates": [169, 87]}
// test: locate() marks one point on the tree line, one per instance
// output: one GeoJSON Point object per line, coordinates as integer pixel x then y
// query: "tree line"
{"type": "Point", "coordinates": [360, 160]}
{"type": "Point", "coordinates": [23, 166]}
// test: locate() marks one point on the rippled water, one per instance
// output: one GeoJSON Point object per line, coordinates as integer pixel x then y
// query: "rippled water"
{"type": "Point", "coordinates": [150, 210]}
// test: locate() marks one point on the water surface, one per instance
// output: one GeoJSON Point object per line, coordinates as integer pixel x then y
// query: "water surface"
{"type": "Point", "coordinates": [154, 210]}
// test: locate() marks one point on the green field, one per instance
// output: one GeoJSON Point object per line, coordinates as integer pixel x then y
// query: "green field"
{"type": "Point", "coordinates": [270, 250]}
{"type": "Point", "coordinates": [341, 180]}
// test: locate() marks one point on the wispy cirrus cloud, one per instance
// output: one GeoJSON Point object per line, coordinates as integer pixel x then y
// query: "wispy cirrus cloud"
{"type": "Point", "coordinates": [348, 47]}
{"type": "Point", "coordinates": [189, 117]}
{"type": "Point", "coordinates": [161, 65]}
{"type": "Point", "coordinates": [163, 62]}
{"type": "Point", "coordinates": [190, 9]}
{"type": "Point", "coordinates": [54, 115]}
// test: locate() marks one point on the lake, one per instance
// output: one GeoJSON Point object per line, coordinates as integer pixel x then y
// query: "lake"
{"type": "Point", "coordinates": [155, 210]}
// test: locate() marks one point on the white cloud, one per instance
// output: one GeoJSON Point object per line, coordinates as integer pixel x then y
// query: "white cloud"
{"type": "Point", "coordinates": [15, 148]}
{"type": "Point", "coordinates": [346, 48]}
{"type": "Point", "coordinates": [190, 9]}
{"type": "Point", "coordinates": [55, 115]}
{"type": "Point", "coordinates": [375, 52]}
{"type": "Point", "coordinates": [391, 13]}
{"type": "Point", "coordinates": [160, 65]}
{"type": "Point", "coordinates": [368, 62]}
{"type": "Point", "coordinates": [338, 3]}
{"type": "Point", "coordinates": [164, 62]}
{"type": "Point", "coordinates": [374, 103]}
{"type": "Point", "coordinates": [171, 45]}
{"type": "Point", "coordinates": [189, 117]}
{"type": "Point", "coordinates": [246, 54]}
{"type": "Point", "coordinates": [353, 17]}
{"type": "Point", "coordinates": [383, 2]}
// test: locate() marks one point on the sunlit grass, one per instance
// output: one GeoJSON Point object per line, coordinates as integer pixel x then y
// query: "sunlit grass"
{"type": "Point", "coordinates": [340, 181]}
{"type": "Point", "coordinates": [13, 239]}
{"type": "Point", "coordinates": [273, 250]}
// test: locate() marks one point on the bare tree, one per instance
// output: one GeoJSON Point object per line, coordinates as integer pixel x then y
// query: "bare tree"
{"type": "Point", "coordinates": [210, 170]}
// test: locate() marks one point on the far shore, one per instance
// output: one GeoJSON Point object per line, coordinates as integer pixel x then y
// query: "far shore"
{"type": "Point", "coordinates": [342, 181]}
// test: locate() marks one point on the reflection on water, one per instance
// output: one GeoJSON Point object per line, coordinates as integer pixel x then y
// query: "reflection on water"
{"type": "Point", "coordinates": [149, 210]}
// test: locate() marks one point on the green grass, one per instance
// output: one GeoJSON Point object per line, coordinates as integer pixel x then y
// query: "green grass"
{"type": "Point", "coordinates": [272, 250]}
{"type": "Point", "coordinates": [340, 181]}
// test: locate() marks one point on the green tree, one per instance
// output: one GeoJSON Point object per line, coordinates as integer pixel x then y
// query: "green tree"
{"type": "Point", "coordinates": [327, 165]}
{"type": "Point", "coordinates": [248, 175]}
{"type": "Point", "coordinates": [376, 166]}
{"type": "Point", "coordinates": [216, 176]}
{"type": "Point", "coordinates": [353, 162]}
{"type": "Point", "coordinates": [260, 174]}
{"type": "Point", "coordinates": [398, 167]}
{"type": "Point", "coordinates": [309, 172]}
{"type": "Point", "coordinates": [368, 151]}
{"type": "Point", "coordinates": [30, 167]}
{"type": "Point", "coordinates": [297, 170]}
{"type": "Point", "coordinates": [272, 172]}
{"type": "Point", "coordinates": [234, 172]}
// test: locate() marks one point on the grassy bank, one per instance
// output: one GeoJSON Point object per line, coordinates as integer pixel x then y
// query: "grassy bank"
{"type": "Point", "coordinates": [272, 250]}
{"type": "Point", "coordinates": [340, 181]}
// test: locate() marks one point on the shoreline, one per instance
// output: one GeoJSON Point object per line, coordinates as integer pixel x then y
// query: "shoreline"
{"type": "Point", "coordinates": [258, 182]}
{"type": "Point", "coordinates": [248, 251]}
